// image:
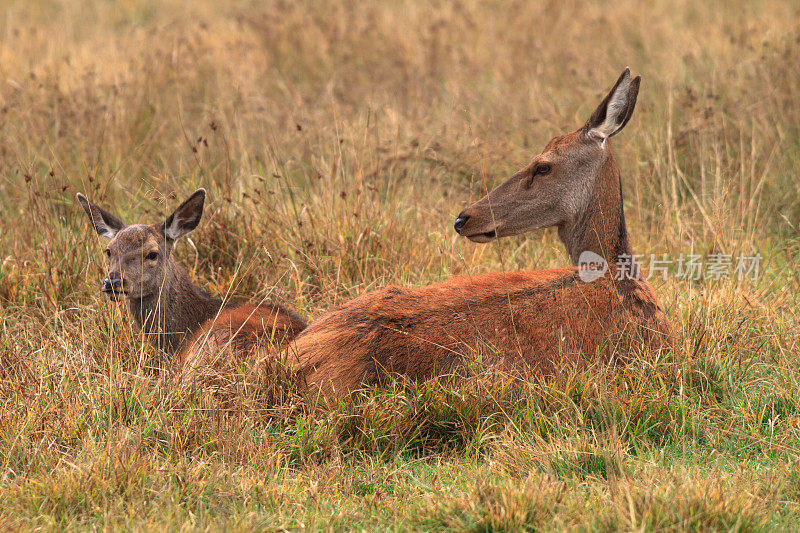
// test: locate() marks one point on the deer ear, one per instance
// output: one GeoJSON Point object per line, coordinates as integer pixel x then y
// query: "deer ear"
{"type": "Point", "coordinates": [186, 217]}
{"type": "Point", "coordinates": [615, 110]}
{"type": "Point", "coordinates": [106, 224]}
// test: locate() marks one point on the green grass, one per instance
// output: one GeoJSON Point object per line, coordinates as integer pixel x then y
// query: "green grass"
{"type": "Point", "coordinates": [338, 141]}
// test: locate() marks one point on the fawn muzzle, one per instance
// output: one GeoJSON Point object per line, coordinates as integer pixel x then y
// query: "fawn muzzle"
{"type": "Point", "coordinates": [112, 286]}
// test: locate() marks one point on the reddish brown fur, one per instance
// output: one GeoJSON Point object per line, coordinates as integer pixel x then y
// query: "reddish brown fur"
{"type": "Point", "coordinates": [539, 321]}
{"type": "Point", "coordinates": [240, 330]}
{"type": "Point", "coordinates": [536, 321]}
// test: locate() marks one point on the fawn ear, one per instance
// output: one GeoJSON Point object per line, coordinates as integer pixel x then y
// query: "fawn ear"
{"type": "Point", "coordinates": [106, 224]}
{"type": "Point", "coordinates": [186, 217]}
{"type": "Point", "coordinates": [615, 110]}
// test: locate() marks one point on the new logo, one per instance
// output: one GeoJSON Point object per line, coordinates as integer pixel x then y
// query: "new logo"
{"type": "Point", "coordinates": [591, 266]}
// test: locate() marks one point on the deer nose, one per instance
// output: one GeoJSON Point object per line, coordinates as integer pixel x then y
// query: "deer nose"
{"type": "Point", "coordinates": [460, 221]}
{"type": "Point", "coordinates": [112, 284]}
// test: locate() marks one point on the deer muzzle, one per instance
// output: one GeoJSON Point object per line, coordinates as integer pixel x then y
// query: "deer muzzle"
{"type": "Point", "coordinates": [473, 233]}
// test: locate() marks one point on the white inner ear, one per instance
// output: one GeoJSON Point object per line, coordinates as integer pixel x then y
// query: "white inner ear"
{"type": "Point", "coordinates": [615, 112]}
{"type": "Point", "coordinates": [174, 231]}
{"type": "Point", "coordinates": [103, 229]}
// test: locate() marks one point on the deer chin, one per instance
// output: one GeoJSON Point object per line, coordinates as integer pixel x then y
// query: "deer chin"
{"type": "Point", "coordinates": [116, 296]}
{"type": "Point", "coordinates": [487, 236]}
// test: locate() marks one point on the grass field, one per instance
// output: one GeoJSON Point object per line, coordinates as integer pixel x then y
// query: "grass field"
{"type": "Point", "coordinates": [338, 140]}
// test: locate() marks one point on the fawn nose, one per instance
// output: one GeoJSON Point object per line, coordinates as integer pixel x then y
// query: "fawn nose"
{"type": "Point", "coordinates": [460, 221]}
{"type": "Point", "coordinates": [112, 284]}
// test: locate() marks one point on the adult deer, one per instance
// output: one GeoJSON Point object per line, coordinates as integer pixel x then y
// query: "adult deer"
{"type": "Point", "coordinates": [176, 315]}
{"type": "Point", "coordinates": [535, 321]}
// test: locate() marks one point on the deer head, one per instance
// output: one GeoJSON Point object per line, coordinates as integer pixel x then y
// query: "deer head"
{"type": "Point", "coordinates": [139, 254]}
{"type": "Point", "coordinates": [562, 184]}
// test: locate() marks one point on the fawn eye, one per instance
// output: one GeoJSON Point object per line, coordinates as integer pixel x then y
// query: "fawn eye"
{"type": "Point", "coordinates": [107, 252]}
{"type": "Point", "coordinates": [152, 256]}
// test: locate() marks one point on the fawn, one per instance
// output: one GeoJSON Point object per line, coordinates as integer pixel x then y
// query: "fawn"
{"type": "Point", "coordinates": [175, 314]}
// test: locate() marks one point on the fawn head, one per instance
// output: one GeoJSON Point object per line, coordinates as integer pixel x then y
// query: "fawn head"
{"type": "Point", "coordinates": [139, 254]}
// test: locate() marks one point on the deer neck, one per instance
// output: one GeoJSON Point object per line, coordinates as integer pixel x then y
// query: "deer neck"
{"type": "Point", "coordinates": [601, 227]}
{"type": "Point", "coordinates": [176, 311]}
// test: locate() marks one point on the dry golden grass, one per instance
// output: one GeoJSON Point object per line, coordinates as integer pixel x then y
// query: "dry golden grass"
{"type": "Point", "coordinates": [338, 140]}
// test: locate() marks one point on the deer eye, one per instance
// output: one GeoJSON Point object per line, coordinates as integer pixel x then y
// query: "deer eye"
{"type": "Point", "coordinates": [539, 170]}
{"type": "Point", "coordinates": [152, 256]}
{"type": "Point", "coordinates": [107, 252]}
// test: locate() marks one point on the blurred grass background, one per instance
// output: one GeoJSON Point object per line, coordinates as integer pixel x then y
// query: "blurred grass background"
{"type": "Point", "coordinates": [338, 140]}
